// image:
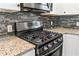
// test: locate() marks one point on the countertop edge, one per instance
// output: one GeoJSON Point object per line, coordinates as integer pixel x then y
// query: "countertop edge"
{"type": "Point", "coordinates": [24, 52]}
{"type": "Point", "coordinates": [61, 31]}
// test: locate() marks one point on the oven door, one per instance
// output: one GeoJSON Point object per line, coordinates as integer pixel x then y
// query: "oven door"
{"type": "Point", "coordinates": [56, 52]}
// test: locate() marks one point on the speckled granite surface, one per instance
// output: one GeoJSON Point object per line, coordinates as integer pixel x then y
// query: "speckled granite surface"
{"type": "Point", "coordinates": [64, 30]}
{"type": "Point", "coordinates": [12, 46]}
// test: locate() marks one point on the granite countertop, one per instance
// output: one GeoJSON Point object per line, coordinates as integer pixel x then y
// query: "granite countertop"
{"type": "Point", "coordinates": [64, 30]}
{"type": "Point", "coordinates": [12, 46]}
{"type": "Point", "coordinates": [54, 14]}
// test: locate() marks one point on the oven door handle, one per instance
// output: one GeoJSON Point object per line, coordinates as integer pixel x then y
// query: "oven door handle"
{"type": "Point", "coordinates": [53, 49]}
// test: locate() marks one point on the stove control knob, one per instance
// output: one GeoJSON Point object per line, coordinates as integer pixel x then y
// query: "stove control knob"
{"type": "Point", "coordinates": [45, 47]}
{"type": "Point", "coordinates": [55, 42]}
{"type": "Point", "coordinates": [59, 40]}
{"type": "Point", "coordinates": [49, 45]}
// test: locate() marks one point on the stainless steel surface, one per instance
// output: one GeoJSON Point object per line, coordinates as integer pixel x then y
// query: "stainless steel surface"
{"type": "Point", "coordinates": [36, 5]}
{"type": "Point", "coordinates": [44, 40]}
{"type": "Point", "coordinates": [54, 49]}
{"type": "Point", "coordinates": [28, 25]}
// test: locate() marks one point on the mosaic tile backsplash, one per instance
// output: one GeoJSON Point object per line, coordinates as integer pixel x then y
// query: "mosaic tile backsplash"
{"type": "Point", "coordinates": [66, 21]}
{"type": "Point", "coordinates": [10, 18]}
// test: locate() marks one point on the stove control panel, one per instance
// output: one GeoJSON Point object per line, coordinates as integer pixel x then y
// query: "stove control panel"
{"type": "Point", "coordinates": [51, 45]}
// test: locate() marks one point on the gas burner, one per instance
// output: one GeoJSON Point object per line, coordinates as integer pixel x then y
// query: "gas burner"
{"type": "Point", "coordinates": [38, 40]}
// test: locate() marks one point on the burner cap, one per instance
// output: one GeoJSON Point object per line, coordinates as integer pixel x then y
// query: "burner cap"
{"type": "Point", "coordinates": [38, 40]}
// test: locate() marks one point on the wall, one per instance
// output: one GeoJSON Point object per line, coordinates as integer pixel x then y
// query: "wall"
{"type": "Point", "coordinates": [67, 21]}
{"type": "Point", "coordinates": [11, 18]}
{"type": "Point", "coordinates": [58, 8]}
{"type": "Point", "coordinates": [67, 8]}
{"type": "Point", "coordinates": [6, 7]}
{"type": "Point", "coordinates": [10, 6]}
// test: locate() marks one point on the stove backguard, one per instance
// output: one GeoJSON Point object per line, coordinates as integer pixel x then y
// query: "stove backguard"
{"type": "Point", "coordinates": [28, 26]}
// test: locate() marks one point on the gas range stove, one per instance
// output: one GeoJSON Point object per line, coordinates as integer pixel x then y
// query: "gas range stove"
{"type": "Point", "coordinates": [46, 42]}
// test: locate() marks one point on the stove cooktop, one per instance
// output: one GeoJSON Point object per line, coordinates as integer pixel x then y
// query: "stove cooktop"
{"type": "Point", "coordinates": [38, 37]}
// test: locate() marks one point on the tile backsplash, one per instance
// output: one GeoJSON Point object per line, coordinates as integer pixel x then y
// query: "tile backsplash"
{"type": "Point", "coordinates": [66, 21]}
{"type": "Point", "coordinates": [10, 18]}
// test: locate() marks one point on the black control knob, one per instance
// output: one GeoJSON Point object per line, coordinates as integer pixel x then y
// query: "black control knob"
{"type": "Point", "coordinates": [49, 45]}
{"type": "Point", "coordinates": [55, 42]}
{"type": "Point", "coordinates": [59, 40]}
